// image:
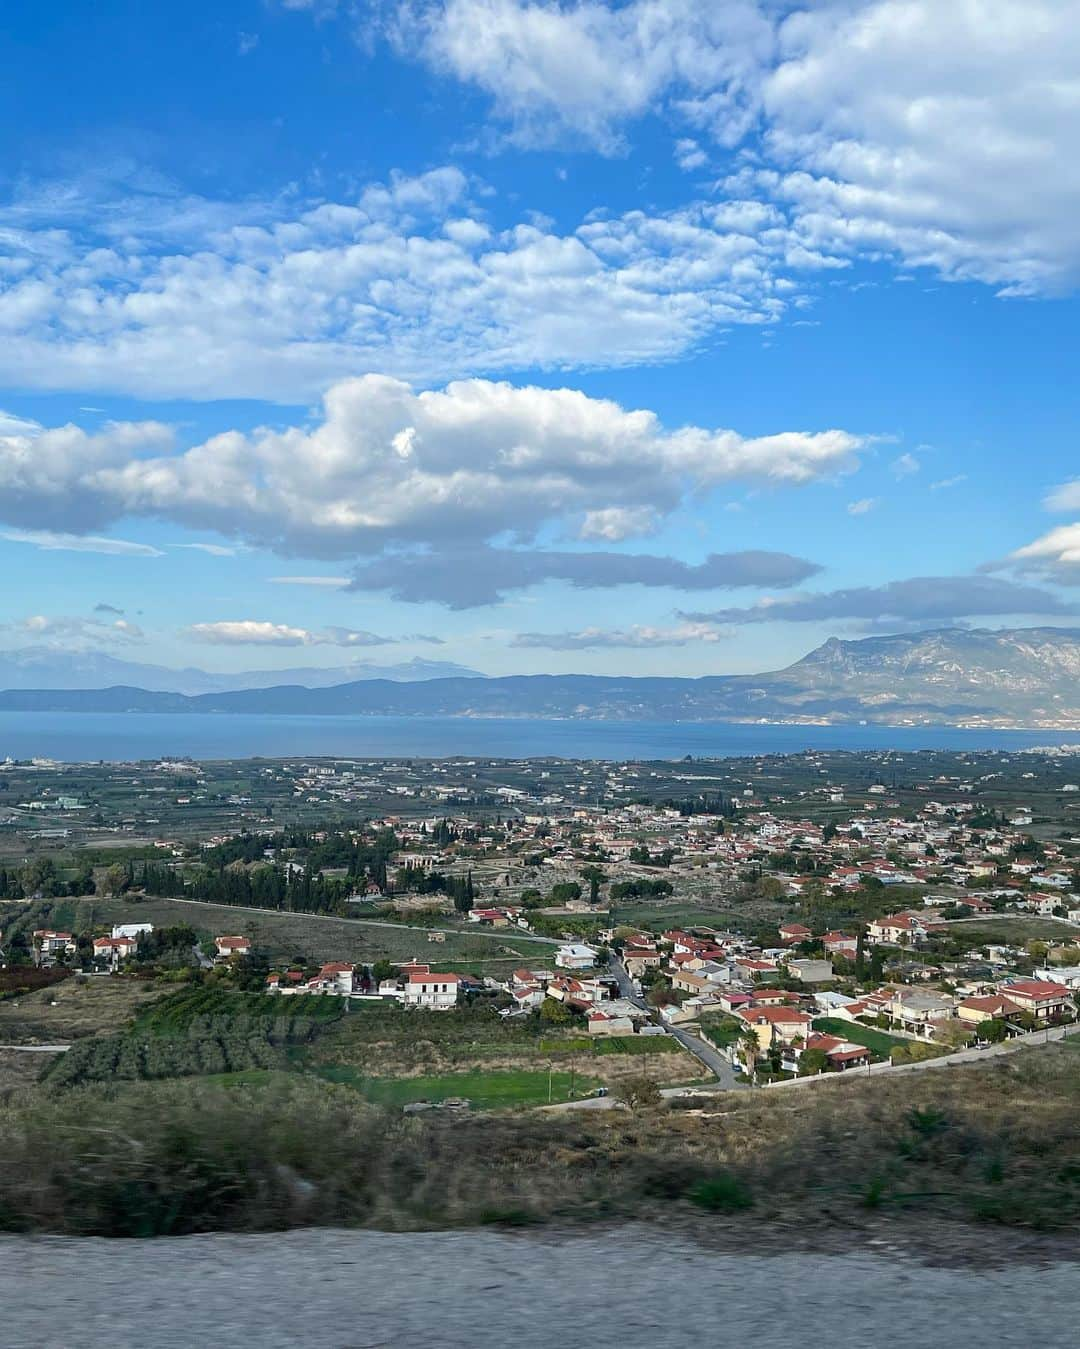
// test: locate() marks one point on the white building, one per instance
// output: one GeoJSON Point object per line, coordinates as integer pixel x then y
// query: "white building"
{"type": "Point", "coordinates": [575, 957]}
{"type": "Point", "coordinates": [436, 992]}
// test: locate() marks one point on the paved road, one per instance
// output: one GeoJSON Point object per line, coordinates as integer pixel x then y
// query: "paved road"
{"type": "Point", "coordinates": [458, 1290]}
{"type": "Point", "coordinates": [704, 1052]}
{"type": "Point", "coordinates": [37, 1049]}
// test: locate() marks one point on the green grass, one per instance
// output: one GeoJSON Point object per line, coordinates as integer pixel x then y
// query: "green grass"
{"type": "Point", "coordinates": [722, 1031]}
{"type": "Point", "coordinates": [875, 1040]}
{"type": "Point", "coordinates": [486, 1091]}
{"type": "Point", "coordinates": [1012, 930]}
{"type": "Point", "coordinates": [658, 915]}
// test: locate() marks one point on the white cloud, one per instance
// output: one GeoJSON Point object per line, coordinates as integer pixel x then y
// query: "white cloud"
{"type": "Point", "coordinates": [1055, 556]}
{"type": "Point", "coordinates": [52, 542]}
{"type": "Point", "coordinates": [944, 484]}
{"type": "Point", "coordinates": [905, 466]}
{"type": "Point", "coordinates": [638, 635]}
{"type": "Point", "coordinates": [941, 134]}
{"type": "Point", "coordinates": [577, 71]}
{"type": "Point", "coordinates": [1064, 498]}
{"type": "Point", "coordinates": [64, 629]}
{"type": "Point", "coordinates": [45, 479]}
{"type": "Point", "coordinates": [618, 522]}
{"type": "Point", "coordinates": [255, 632]}
{"type": "Point", "coordinates": [689, 155]}
{"type": "Point", "coordinates": [483, 458]}
{"type": "Point", "coordinates": [157, 296]}
{"type": "Point", "coordinates": [212, 549]}
{"type": "Point", "coordinates": [863, 506]}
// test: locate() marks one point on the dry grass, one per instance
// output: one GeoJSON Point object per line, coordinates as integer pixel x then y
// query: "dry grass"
{"type": "Point", "coordinates": [74, 1009]}
{"type": "Point", "coordinates": [995, 1143]}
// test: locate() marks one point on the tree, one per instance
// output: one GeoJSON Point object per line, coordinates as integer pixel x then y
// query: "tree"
{"type": "Point", "coordinates": [639, 1093]}
{"type": "Point", "coordinates": [993, 1031]}
{"type": "Point", "coordinates": [554, 1012]}
{"type": "Point", "coordinates": [564, 891]}
{"type": "Point", "coordinates": [115, 880]}
{"type": "Point", "coordinates": [749, 1047]}
{"type": "Point", "coordinates": [812, 1062]}
{"type": "Point", "coordinates": [595, 878]}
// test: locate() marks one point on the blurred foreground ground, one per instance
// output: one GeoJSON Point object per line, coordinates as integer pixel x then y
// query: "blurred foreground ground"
{"type": "Point", "coordinates": [631, 1287]}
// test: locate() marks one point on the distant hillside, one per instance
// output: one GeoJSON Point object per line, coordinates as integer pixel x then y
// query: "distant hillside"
{"type": "Point", "coordinates": [1027, 677]}
{"type": "Point", "coordinates": [41, 667]}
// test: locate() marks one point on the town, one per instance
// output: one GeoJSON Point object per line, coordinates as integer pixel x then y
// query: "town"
{"type": "Point", "coordinates": [753, 922]}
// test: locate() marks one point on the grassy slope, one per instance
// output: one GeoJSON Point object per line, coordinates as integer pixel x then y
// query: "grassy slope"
{"type": "Point", "coordinates": [993, 1143]}
{"type": "Point", "coordinates": [284, 936]}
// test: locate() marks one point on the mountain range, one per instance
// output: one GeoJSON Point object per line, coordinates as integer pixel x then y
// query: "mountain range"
{"type": "Point", "coordinates": [974, 677]}
{"type": "Point", "coordinates": [43, 667]}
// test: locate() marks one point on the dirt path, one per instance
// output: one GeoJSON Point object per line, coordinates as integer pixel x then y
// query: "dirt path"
{"type": "Point", "coordinates": [637, 1289]}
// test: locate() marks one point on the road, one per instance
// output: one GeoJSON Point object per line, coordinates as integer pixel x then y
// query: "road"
{"type": "Point", "coordinates": [705, 1053]}
{"type": "Point", "coordinates": [457, 1290]}
{"type": "Point", "coordinates": [37, 1049]}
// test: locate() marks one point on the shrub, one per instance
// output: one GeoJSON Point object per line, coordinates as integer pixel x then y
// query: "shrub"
{"type": "Point", "coordinates": [721, 1193]}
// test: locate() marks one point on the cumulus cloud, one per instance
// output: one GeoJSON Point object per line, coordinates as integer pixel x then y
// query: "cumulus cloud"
{"type": "Point", "coordinates": [863, 506]}
{"type": "Point", "coordinates": [921, 599]}
{"type": "Point", "coordinates": [638, 635]}
{"type": "Point", "coordinates": [464, 578]}
{"type": "Point", "coordinates": [1055, 556]}
{"type": "Point", "coordinates": [256, 632]}
{"type": "Point", "coordinates": [905, 465]}
{"type": "Point", "coordinates": [387, 465]}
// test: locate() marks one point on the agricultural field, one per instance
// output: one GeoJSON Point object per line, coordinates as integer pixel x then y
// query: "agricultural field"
{"type": "Point", "coordinates": [484, 1091]}
{"type": "Point", "coordinates": [383, 1042]}
{"type": "Point", "coordinates": [1011, 930]}
{"type": "Point", "coordinates": [74, 1009]}
{"type": "Point", "coordinates": [307, 938]}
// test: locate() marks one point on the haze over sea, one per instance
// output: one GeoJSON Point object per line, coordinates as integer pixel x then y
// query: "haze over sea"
{"type": "Point", "coordinates": [82, 737]}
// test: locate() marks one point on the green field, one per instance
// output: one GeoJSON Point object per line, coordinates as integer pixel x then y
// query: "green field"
{"type": "Point", "coordinates": [658, 915]}
{"type": "Point", "coordinates": [485, 1091]}
{"type": "Point", "coordinates": [875, 1040]}
{"type": "Point", "coordinates": [1012, 929]}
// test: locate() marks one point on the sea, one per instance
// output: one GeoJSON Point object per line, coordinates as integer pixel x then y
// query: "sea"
{"type": "Point", "coordinates": [125, 737]}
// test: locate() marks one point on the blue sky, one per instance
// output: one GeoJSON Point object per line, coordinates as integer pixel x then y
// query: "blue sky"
{"type": "Point", "coordinates": [642, 337]}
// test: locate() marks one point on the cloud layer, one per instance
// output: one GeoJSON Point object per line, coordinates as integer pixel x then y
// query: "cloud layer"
{"type": "Point", "coordinates": [918, 600]}
{"type": "Point", "coordinates": [464, 578]}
